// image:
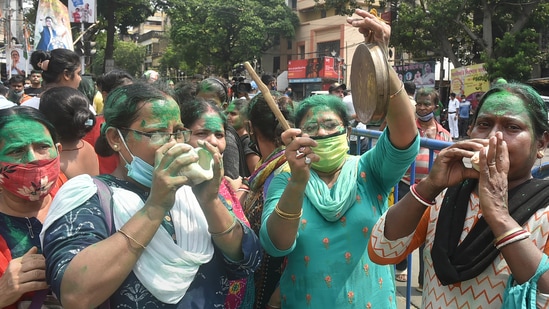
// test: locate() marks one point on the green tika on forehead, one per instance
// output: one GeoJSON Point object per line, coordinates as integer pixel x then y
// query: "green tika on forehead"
{"type": "Point", "coordinates": [165, 110]}
{"type": "Point", "coordinates": [213, 122]}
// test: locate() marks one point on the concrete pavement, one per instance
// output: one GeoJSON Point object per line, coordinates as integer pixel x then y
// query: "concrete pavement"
{"type": "Point", "coordinates": [415, 296]}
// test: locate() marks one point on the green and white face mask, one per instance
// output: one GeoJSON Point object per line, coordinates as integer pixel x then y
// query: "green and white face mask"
{"type": "Point", "coordinates": [332, 150]}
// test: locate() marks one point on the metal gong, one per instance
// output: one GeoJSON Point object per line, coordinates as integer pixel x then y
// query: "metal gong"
{"type": "Point", "coordinates": [370, 83]}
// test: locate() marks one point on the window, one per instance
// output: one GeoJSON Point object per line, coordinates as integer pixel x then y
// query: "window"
{"type": "Point", "coordinates": [326, 48]}
{"type": "Point", "coordinates": [302, 52]}
{"type": "Point", "coordinates": [289, 43]}
{"type": "Point", "coordinates": [276, 64]}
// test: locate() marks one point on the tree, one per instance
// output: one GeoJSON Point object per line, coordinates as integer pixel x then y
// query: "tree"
{"type": "Point", "coordinates": [125, 55]}
{"type": "Point", "coordinates": [211, 36]}
{"type": "Point", "coordinates": [473, 31]}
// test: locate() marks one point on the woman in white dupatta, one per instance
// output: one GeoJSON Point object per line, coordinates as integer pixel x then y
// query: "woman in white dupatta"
{"type": "Point", "coordinates": [174, 246]}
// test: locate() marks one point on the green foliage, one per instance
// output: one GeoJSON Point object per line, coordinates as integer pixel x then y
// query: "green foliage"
{"type": "Point", "coordinates": [125, 55]}
{"type": "Point", "coordinates": [501, 34]}
{"type": "Point", "coordinates": [214, 35]}
{"type": "Point", "coordinates": [514, 55]}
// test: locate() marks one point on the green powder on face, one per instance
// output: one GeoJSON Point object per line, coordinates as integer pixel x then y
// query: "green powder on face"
{"type": "Point", "coordinates": [213, 123]}
{"type": "Point", "coordinates": [506, 104]}
{"type": "Point", "coordinates": [19, 133]}
{"type": "Point", "coordinates": [165, 110]}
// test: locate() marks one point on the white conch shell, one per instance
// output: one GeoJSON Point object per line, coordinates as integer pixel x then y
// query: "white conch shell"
{"type": "Point", "coordinates": [201, 170]}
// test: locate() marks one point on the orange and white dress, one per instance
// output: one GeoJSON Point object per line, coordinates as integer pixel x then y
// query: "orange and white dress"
{"type": "Point", "coordinates": [484, 291]}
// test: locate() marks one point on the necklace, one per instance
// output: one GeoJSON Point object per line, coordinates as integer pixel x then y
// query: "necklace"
{"type": "Point", "coordinates": [78, 147]}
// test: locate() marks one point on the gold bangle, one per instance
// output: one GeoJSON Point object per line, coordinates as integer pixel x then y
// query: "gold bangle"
{"type": "Point", "coordinates": [392, 96]}
{"type": "Point", "coordinates": [121, 231]}
{"type": "Point", "coordinates": [511, 231]}
{"type": "Point", "coordinates": [287, 216]}
{"type": "Point", "coordinates": [227, 231]}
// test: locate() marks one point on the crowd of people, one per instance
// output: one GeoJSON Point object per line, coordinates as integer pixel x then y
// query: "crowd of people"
{"type": "Point", "coordinates": [141, 192]}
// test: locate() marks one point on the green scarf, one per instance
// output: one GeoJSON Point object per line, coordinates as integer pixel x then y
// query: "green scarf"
{"type": "Point", "coordinates": [334, 203]}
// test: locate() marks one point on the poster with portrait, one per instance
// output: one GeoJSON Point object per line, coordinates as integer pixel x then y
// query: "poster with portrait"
{"type": "Point", "coordinates": [82, 11]}
{"type": "Point", "coordinates": [421, 73]}
{"type": "Point", "coordinates": [16, 64]}
{"type": "Point", "coordinates": [469, 80]}
{"type": "Point", "coordinates": [52, 26]}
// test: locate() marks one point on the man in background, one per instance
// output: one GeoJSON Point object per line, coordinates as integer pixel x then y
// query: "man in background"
{"type": "Point", "coordinates": [35, 87]}
{"type": "Point", "coordinates": [337, 90]}
{"type": "Point", "coordinates": [464, 112]}
{"type": "Point", "coordinates": [453, 115]}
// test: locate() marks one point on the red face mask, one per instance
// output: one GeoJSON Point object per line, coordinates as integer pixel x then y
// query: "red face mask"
{"type": "Point", "coordinates": [30, 181]}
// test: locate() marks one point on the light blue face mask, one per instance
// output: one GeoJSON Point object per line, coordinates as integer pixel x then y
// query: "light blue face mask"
{"type": "Point", "coordinates": [138, 169]}
{"type": "Point", "coordinates": [426, 117]}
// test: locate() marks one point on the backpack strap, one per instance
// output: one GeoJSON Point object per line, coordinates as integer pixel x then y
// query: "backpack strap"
{"type": "Point", "coordinates": [104, 192]}
{"type": "Point", "coordinates": [105, 200]}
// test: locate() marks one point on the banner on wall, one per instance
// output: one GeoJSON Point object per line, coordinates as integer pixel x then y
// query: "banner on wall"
{"type": "Point", "coordinates": [467, 80]}
{"type": "Point", "coordinates": [53, 26]}
{"type": "Point", "coordinates": [16, 63]}
{"type": "Point", "coordinates": [314, 69]}
{"type": "Point", "coordinates": [83, 11]}
{"type": "Point", "coordinates": [421, 73]}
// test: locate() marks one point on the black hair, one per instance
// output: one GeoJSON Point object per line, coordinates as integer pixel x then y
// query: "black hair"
{"type": "Point", "coordinates": [60, 59]}
{"type": "Point", "coordinates": [68, 110]}
{"type": "Point", "coordinates": [213, 86]}
{"type": "Point", "coordinates": [262, 119]}
{"type": "Point", "coordinates": [184, 91]}
{"type": "Point", "coordinates": [28, 113]}
{"type": "Point", "coordinates": [409, 87]}
{"type": "Point", "coordinates": [112, 79]}
{"type": "Point", "coordinates": [17, 79]}
{"type": "Point", "coordinates": [122, 108]}
{"type": "Point", "coordinates": [266, 79]}
{"type": "Point", "coordinates": [192, 110]}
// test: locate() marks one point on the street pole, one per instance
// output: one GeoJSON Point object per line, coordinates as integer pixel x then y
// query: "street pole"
{"type": "Point", "coordinates": [83, 57]}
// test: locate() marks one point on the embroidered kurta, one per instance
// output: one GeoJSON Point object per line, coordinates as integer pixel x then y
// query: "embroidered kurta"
{"type": "Point", "coordinates": [328, 265]}
{"type": "Point", "coordinates": [86, 225]}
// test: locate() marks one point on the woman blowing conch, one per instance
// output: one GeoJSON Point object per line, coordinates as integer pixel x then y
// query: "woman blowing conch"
{"type": "Point", "coordinates": [478, 227]}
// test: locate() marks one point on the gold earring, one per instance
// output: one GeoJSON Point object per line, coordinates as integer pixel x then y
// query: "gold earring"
{"type": "Point", "coordinates": [115, 147]}
{"type": "Point", "coordinates": [541, 154]}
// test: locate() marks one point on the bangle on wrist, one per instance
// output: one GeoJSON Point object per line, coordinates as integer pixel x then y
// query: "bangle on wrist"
{"type": "Point", "coordinates": [121, 231]}
{"type": "Point", "coordinates": [227, 231]}
{"type": "Point", "coordinates": [515, 237]}
{"type": "Point", "coordinates": [287, 216]}
{"type": "Point", "coordinates": [507, 233]}
{"type": "Point", "coordinates": [420, 198]}
{"type": "Point", "coordinates": [392, 96]}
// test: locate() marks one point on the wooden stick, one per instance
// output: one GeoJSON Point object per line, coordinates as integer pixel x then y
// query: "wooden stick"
{"type": "Point", "coordinates": [267, 95]}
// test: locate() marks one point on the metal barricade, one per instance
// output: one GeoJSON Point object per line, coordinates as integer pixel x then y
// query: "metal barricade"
{"type": "Point", "coordinates": [433, 145]}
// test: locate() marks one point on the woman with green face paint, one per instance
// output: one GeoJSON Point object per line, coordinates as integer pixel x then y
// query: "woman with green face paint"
{"type": "Point", "coordinates": [236, 117]}
{"type": "Point", "coordinates": [29, 170]}
{"type": "Point", "coordinates": [479, 224]}
{"type": "Point", "coordinates": [171, 245]}
{"type": "Point", "coordinates": [320, 214]}
{"type": "Point", "coordinates": [208, 123]}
